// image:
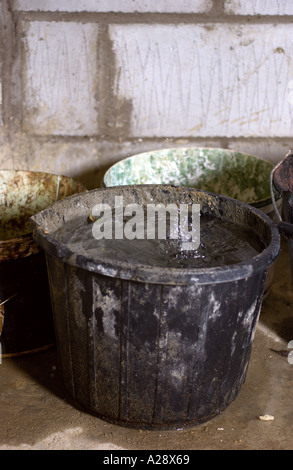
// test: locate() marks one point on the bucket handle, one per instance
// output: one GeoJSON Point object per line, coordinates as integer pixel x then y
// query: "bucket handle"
{"type": "Point", "coordinates": [272, 191]}
{"type": "Point", "coordinates": [284, 227]}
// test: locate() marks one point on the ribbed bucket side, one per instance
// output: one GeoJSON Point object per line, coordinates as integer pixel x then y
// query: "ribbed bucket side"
{"type": "Point", "coordinates": [149, 355]}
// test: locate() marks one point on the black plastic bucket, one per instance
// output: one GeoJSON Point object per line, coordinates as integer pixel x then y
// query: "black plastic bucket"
{"type": "Point", "coordinates": [282, 181]}
{"type": "Point", "coordinates": [150, 347]}
{"type": "Point", "coordinates": [26, 322]}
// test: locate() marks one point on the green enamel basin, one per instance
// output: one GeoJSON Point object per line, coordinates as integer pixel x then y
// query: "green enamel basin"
{"type": "Point", "coordinates": [230, 173]}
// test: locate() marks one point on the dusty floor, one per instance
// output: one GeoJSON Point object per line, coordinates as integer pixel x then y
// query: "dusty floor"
{"type": "Point", "coordinates": [36, 413]}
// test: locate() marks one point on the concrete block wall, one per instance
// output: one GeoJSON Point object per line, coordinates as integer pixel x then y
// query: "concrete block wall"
{"type": "Point", "coordinates": [86, 83]}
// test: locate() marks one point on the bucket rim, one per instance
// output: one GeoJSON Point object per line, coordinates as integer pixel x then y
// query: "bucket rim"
{"type": "Point", "coordinates": [147, 273]}
{"type": "Point", "coordinates": [40, 173]}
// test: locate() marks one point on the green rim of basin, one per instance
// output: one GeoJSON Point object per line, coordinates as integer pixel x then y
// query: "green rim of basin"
{"type": "Point", "coordinates": [230, 173]}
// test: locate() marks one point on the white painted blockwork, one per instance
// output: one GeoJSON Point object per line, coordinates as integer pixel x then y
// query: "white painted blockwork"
{"type": "Point", "coordinates": [210, 80]}
{"type": "Point", "coordinates": [262, 7]}
{"type": "Point", "coordinates": [206, 80]}
{"type": "Point", "coordinates": [59, 78]}
{"type": "Point", "coordinates": [122, 6]}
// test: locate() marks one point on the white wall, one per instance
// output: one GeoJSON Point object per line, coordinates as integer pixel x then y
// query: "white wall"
{"type": "Point", "coordinates": [85, 83]}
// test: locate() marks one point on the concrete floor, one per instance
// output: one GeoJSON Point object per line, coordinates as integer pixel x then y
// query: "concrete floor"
{"type": "Point", "coordinates": [37, 414]}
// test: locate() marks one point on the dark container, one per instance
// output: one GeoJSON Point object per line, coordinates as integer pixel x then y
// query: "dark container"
{"type": "Point", "coordinates": [26, 322]}
{"type": "Point", "coordinates": [282, 181]}
{"type": "Point", "coordinates": [150, 347]}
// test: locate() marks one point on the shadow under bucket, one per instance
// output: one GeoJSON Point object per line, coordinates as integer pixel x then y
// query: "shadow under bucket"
{"type": "Point", "coordinates": [143, 345]}
{"type": "Point", "coordinates": [26, 322]}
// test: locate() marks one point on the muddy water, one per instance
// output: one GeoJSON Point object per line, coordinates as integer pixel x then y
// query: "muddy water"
{"type": "Point", "coordinates": [221, 243]}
